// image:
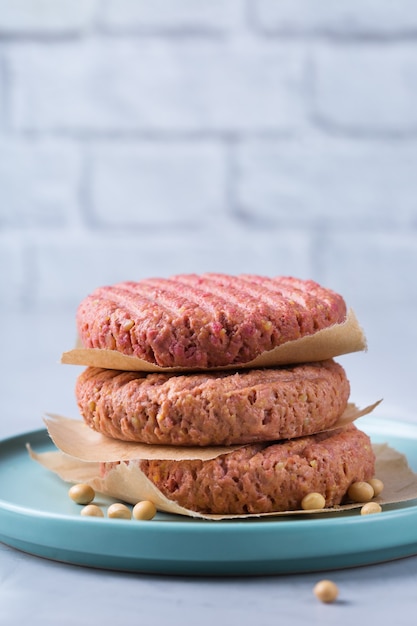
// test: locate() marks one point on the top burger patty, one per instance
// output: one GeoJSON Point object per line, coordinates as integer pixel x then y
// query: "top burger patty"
{"type": "Point", "coordinates": [206, 320]}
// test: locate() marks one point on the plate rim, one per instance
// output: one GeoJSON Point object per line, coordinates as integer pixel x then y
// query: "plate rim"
{"type": "Point", "coordinates": [195, 528]}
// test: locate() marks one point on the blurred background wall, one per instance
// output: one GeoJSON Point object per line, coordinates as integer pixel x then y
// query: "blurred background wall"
{"type": "Point", "coordinates": [149, 137]}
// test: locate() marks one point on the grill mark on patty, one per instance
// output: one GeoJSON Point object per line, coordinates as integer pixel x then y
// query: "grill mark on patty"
{"type": "Point", "coordinates": [335, 305]}
{"type": "Point", "coordinates": [205, 320]}
{"type": "Point", "coordinates": [282, 316]}
{"type": "Point", "coordinates": [227, 292]}
{"type": "Point", "coordinates": [303, 302]}
{"type": "Point", "coordinates": [193, 296]}
{"type": "Point", "coordinates": [131, 297]}
{"type": "Point", "coordinates": [206, 316]}
{"type": "Point", "coordinates": [240, 293]}
{"type": "Point", "coordinates": [247, 302]}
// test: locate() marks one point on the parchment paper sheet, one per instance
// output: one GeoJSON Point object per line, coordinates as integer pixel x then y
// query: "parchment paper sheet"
{"type": "Point", "coordinates": [78, 440]}
{"type": "Point", "coordinates": [325, 344]}
{"type": "Point", "coordinates": [127, 483]}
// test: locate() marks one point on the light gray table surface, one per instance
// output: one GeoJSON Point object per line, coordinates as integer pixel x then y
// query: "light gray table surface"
{"type": "Point", "coordinates": [39, 591]}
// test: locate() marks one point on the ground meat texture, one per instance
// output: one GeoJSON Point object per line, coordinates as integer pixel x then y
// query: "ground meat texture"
{"type": "Point", "coordinates": [221, 408]}
{"type": "Point", "coordinates": [268, 478]}
{"type": "Point", "coordinates": [207, 320]}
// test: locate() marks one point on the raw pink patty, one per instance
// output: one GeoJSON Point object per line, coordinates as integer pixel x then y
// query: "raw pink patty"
{"type": "Point", "coordinates": [220, 408]}
{"type": "Point", "coordinates": [205, 320]}
{"type": "Point", "coordinates": [264, 478]}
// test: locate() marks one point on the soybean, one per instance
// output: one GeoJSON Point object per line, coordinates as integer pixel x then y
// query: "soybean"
{"type": "Point", "coordinates": [326, 591]}
{"type": "Point", "coordinates": [92, 510]}
{"type": "Point", "coordinates": [119, 511]}
{"type": "Point", "coordinates": [360, 491]}
{"type": "Point", "coordinates": [144, 510]}
{"type": "Point", "coordinates": [377, 485]}
{"type": "Point", "coordinates": [81, 493]}
{"type": "Point", "coordinates": [312, 501]}
{"type": "Point", "coordinates": [371, 507]}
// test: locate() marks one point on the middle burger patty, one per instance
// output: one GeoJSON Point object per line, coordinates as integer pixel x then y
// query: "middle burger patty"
{"type": "Point", "coordinates": [213, 408]}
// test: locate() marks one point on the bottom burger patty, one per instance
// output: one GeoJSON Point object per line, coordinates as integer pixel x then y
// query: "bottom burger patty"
{"type": "Point", "coordinates": [266, 478]}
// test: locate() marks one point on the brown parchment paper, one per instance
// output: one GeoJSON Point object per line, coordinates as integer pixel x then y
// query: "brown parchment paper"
{"type": "Point", "coordinates": [129, 484]}
{"type": "Point", "coordinates": [81, 451]}
{"type": "Point", "coordinates": [75, 438]}
{"type": "Point", "coordinates": [325, 344]}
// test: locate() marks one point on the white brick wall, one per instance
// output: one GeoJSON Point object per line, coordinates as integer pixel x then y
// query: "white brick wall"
{"type": "Point", "coordinates": [381, 270]}
{"type": "Point", "coordinates": [147, 138]}
{"type": "Point", "coordinates": [54, 17]}
{"type": "Point", "coordinates": [68, 268]}
{"type": "Point", "coordinates": [156, 84]}
{"type": "Point", "coordinates": [369, 88]}
{"type": "Point", "coordinates": [177, 16]}
{"type": "Point", "coordinates": [39, 183]}
{"type": "Point", "coordinates": [165, 119]}
{"type": "Point", "coordinates": [159, 183]}
{"type": "Point", "coordinates": [2, 91]}
{"type": "Point", "coordinates": [378, 18]}
{"type": "Point", "coordinates": [334, 181]}
{"type": "Point", "coordinates": [12, 275]}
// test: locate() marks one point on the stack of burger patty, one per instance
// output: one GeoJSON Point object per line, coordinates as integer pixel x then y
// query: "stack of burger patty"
{"type": "Point", "coordinates": [200, 334]}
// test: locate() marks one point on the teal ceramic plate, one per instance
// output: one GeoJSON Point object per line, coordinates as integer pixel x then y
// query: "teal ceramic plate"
{"type": "Point", "coordinates": [38, 517]}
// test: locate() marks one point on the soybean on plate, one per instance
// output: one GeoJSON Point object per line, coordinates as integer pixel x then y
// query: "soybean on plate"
{"type": "Point", "coordinates": [38, 517]}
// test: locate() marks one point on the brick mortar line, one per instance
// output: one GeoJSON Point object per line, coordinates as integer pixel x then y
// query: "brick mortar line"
{"type": "Point", "coordinates": [5, 95]}
{"type": "Point", "coordinates": [3, 90]}
{"type": "Point", "coordinates": [43, 38]}
{"type": "Point", "coordinates": [85, 191]}
{"type": "Point", "coordinates": [33, 237]}
{"type": "Point", "coordinates": [339, 37]}
{"type": "Point", "coordinates": [358, 133]}
{"type": "Point", "coordinates": [231, 148]}
{"type": "Point", "coordinates": [129, 35]}
{"type": "Point", "coordinates": [30, 274]}
{"type": "Point", "coordinates": [183, 32]}
{"type": "Point", "coordinates": [206, 34]}
{"type": "Point", "coordinates": [131, 137]}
